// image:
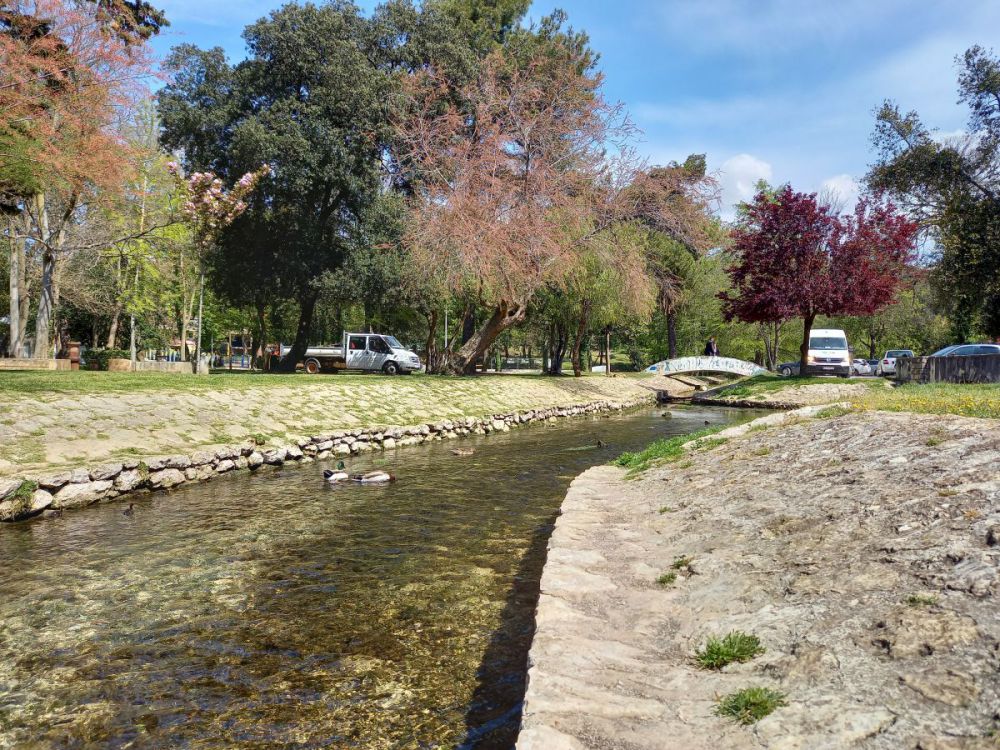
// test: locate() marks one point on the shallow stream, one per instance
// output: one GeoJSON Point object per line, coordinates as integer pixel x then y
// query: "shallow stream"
{"type": "Point", "coordinates": [276, 611]}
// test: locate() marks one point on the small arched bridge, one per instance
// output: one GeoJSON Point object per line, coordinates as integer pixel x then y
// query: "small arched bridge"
{"type": "Point", "coordinates": [706, 364]}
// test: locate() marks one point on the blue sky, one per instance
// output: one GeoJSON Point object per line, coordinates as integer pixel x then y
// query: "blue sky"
{"type": "Point", "coordinates": [779, 89]}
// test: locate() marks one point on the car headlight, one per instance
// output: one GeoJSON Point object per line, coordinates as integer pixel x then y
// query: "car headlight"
{"type": "Point", "coordinates": [810, 359]}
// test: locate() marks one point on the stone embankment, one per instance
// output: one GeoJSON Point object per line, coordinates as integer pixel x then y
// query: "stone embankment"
{"type": "Point", "coordinates": [46, 493]}
{"type": "Point", "coordinates": [862, 549]}
{"type": "Point", "coordinates": [790, 396]}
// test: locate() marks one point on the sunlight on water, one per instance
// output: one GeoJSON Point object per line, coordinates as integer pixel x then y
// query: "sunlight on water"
{"type": "Point", "coordinates": [278, 611]}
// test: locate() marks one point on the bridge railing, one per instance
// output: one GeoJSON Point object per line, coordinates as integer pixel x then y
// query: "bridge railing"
{"type": "Point", "coordinates": [706, 364]}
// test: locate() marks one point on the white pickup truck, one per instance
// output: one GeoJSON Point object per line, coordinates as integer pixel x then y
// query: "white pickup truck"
{"type": "Point", "coordinates": [369, 352]}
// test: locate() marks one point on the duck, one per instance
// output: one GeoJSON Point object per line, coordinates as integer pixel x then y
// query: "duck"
{"type": "Point", "coordinates": [129, 511]}
{"type": "Point", "coordinates": [601, 444]}
{"type": "Point", "coordinates": [373, 477]}
{"type": "Point", "coordinates": [336, 475]}
{"type": "Point", "coordinates": [463, 451]}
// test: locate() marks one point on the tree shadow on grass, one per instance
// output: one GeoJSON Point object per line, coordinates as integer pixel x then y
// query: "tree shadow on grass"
{"type": "Point", "coordinates": [493, 718]}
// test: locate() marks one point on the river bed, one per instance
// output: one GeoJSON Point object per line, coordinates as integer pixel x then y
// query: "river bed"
{"type": "Point", "coordinates": [277, 611]}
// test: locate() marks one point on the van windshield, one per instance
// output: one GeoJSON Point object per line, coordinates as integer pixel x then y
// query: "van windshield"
{"type": "Point", "coordinates": [393, 342]}
{"type": "Point", "coordinates": [827, 342]}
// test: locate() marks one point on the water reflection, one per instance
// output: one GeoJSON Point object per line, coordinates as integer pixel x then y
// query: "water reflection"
{"type": "Point", "coordinates": [280, 611]}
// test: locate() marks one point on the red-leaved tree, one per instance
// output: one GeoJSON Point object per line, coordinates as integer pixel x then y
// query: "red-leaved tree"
{"type": "Point", "coordinates": [796, 258]}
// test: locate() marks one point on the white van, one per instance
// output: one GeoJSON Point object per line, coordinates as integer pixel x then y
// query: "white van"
{"type": "Point", "coordinates": [829, 353]}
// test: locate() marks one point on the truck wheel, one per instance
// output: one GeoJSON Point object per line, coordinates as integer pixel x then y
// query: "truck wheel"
{"type": "Point", "coordinates": [312, 366]}
{"type": "Point", "coordinates": [390, 368]}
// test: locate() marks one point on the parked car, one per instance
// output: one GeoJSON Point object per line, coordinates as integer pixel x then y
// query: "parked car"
{"type": "Point", "coordinates": [829, 353]}
{"type": "Point", "coordinates": [788, 369]}
{"type": "Point", "coordinates": [967, 350]}
{"type": "Point", "coordinates": [887, 365]}
{"type": "Point", "coordinates": [861, 367]}
{"type": "Point", "coordinates": [873, 363]}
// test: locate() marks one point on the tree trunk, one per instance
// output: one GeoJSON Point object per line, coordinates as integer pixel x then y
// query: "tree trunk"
{"type": "Point", "coordinates": [261, 330]}
{"type": "Point", "coordinates": [558, 353]}
{"type": "Point", "coordinates": [671, 334]}
{"type": "Point", "coordinates": [807, 324]}
{"type": "Point", "coordinates": [18, 292]}
{"type": "Point", "coordinates": [431, 345]}
{"type": "Point", "coordinates": [43, 318]}
{"type": "Point", "coordinates": [505, 315]}
{"type": "Point", "coordinates": [113, 331]}
{"type": "Point", "coordinates": [581, 329]}
{"type": "Point", "coordinates": [298, 350]}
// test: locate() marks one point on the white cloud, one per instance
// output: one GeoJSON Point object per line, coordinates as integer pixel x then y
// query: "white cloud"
{"type": "Point", "coordinates": [738, 177]}
{"type": "Point", "coordinates": [841, 191]}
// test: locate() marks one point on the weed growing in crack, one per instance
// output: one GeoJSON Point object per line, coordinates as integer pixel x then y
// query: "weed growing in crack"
{"type": "Point", "coordinates": [734, 647]}
{"type": "Point", "coordinates": [750, 705]}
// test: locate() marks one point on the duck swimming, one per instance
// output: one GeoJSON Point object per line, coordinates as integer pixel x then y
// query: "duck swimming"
{"type": "Point", "coordinates": [130, 510]}
{"type": "Point", "coordinates": [463, 451]}
{"type": "Point", "coordinates": [373, 477]}
{"type": "Point", "coordinates": [336, 475]}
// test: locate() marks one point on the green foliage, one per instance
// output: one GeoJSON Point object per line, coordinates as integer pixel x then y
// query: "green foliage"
{"type": "Point", "coordinates": [921, 600]}
{"type": "Point", "coordinates": [733, 647]}
{"type": "Point", "coordinates": [668, 578]}
{"type": "Point", "coordinates": [750, 705]}
{"type": "Point", "coordinates": [682, 562]}
{"type": "Point", "coordinates": [97, 359]}
{"type": "Point", "coordinates": [662, 451]}
{"type": "Point", "coordinates": [833, 411]}
{"type": "Point", "coordinates": [25, 491]}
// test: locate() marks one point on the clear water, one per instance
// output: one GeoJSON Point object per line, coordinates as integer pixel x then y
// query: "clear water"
{"type": "Point", "coordinates": [277, 611]}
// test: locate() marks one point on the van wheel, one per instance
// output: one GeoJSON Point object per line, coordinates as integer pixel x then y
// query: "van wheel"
{"type": "Point", "coordinates": [312, 366]}
{"type": "Point", "coordinates": [390, 368]}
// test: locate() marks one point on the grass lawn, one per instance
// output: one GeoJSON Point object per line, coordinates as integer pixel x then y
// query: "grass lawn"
{"type": "Point", "coordinates": [49, 382]}
{"type": "Point", "coordinates": [971, 400]}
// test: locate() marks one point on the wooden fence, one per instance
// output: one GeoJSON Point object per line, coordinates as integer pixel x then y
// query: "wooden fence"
{"type": "Point", "coordinates": [980, 368]}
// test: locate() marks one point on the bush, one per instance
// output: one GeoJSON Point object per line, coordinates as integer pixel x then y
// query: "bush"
{"type": "Point", "coordinates": [97, 359]}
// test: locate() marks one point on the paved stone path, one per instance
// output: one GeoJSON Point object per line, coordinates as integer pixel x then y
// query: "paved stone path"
{"type": "Point", "coordinates": [861, 549]}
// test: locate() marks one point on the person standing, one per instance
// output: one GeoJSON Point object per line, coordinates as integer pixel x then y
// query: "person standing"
{"type": "Point", "coordinates": [711, 348]}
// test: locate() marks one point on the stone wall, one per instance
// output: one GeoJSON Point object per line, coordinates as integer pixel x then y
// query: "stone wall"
{"type": "Point", "coordinates": [143, 365]}
{"type": "Point", "coordinates": [20, 499]}
{"type": "Point", "coordinates": [35, 364]}
{"type": "Point", "coordinates": [983, 368]}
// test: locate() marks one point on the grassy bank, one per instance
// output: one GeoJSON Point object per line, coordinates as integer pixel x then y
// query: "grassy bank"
{"type": "Point", "coordinates": [937, 398]}
{"type": "Point", "coordinates": [772, 385]}
{"type": "Point", "coordinates": [58, 419]}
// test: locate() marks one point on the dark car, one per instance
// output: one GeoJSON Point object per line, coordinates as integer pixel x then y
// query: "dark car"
{"type": "Point", "coordinates": [967, 350]}
{"type": "Point", "coordinates": [788, 369]}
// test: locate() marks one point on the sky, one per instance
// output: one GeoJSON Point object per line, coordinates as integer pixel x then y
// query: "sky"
{"type": "Point", "coordinates": [782, 90]}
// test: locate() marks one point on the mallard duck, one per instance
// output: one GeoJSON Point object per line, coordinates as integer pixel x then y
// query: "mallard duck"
{"type": "Point", "coordinates": [336, 475]}
{"type": "Point", "coordinates": [129, 511]}
{"type": "Point", "coordinates": [463, 451]}
{"type": "Point", "coordinates": [373, 477]}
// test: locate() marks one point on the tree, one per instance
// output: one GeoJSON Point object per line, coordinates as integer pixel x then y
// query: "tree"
{"type": "Point", "coordinates": [208, 209]}
{"type": "Point", "coordinates": [952, 187]}
{"type": "Point", "coordinates": [796, 259]}
{"type": "Point", "coordinates": [312, 101]}
{"type": "Point", "coordinates": [513, 186]}
{"type": "Point", "coordinates": [69, 70]}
